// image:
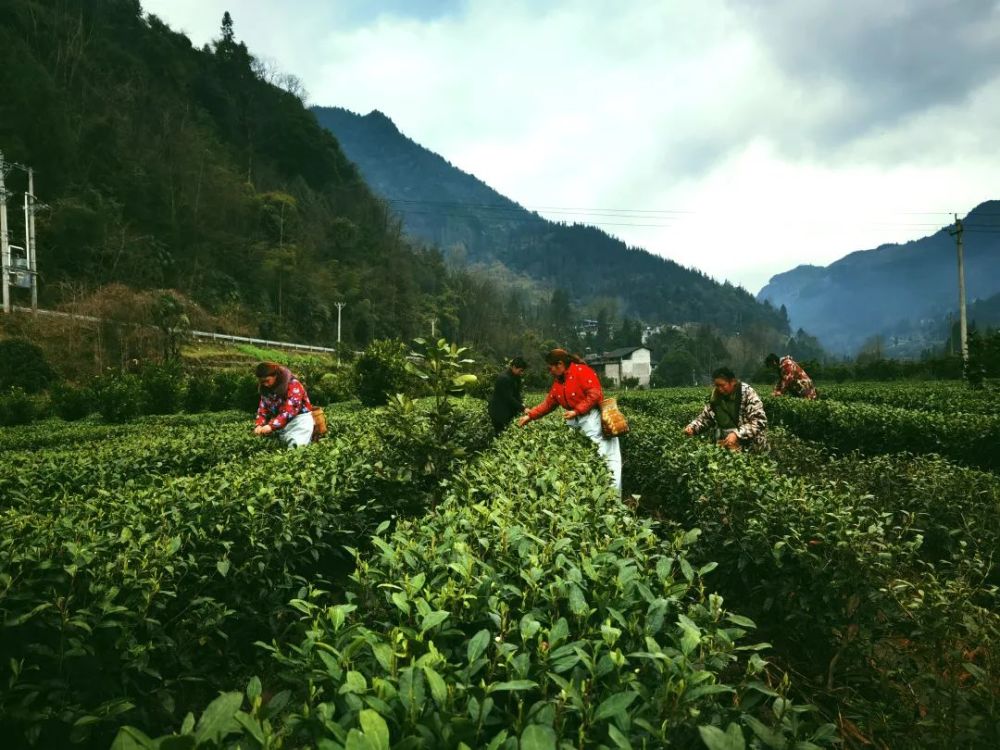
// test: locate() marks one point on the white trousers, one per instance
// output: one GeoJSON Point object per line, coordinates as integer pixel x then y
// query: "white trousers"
{"type": "Point", "coordinates": [298, 432]}
{"type": "Point", "coordinates": [590, 425]}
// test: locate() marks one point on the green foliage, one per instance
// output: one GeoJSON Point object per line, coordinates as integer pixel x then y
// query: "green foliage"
{"type": "Point", "coordinates": [118, 396]}
{"type": "Point", "coordinates": [71, 403]}
{"type": "Point", "coordinates": [161, 551]}
{"type": "Point", "coordinates": [297, 361]}
{"type": "Point", "coordinates": [381, 372]}
{"type": "Point", "coordinates": [199, 394]}
{"type": "Point", "coordinates": [530, 605]}
{"type": "Point", "coordinates": [872, 576]}
{"type": "Point", "coordinates": [969, 438]}
{"type": "Point", "coordinates": [230, 389]}
{"type": "Point", "coordinates": [17, 407]}
{"type": "Point", "coordinates": [332, 387]}
{"type": "Point", "coordinates": [430, 433]}
{"type": "Point", "coordinates": [171, 318]}
{"type": "Point", "coordinates": [947, 397]}
{"type": "Point", "coordinates": [24, 366]}
{"type": "Point", "coordinates": [678, 367]}
{"type": "Point", "coordinates": [162, 388]}
{"type": "Point", "coordinates": [486, 377]}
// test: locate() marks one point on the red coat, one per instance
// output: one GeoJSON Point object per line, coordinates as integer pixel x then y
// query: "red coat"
{"type": "Point", "coordinates": [579, 391]}
{"type": "Point", "coordinates": [279, 409]}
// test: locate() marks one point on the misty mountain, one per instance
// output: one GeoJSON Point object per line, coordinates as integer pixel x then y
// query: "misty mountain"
{"type": "Point", "coordinates": [892, 289]}
{"type": "Point", "coordinates": [443, 206]}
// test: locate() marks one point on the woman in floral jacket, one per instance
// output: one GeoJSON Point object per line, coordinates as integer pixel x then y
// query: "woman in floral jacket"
{"type": "Point", "coordinates": [735, 413]}
{"type": "Point", "coordinates": [577, 389]}
{"type": "Point", "coordinates": [284, 410]}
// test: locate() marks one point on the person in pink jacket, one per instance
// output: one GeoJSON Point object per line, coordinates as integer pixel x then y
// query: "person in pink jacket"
{"type": "Point", "coordinates": [284, 409]}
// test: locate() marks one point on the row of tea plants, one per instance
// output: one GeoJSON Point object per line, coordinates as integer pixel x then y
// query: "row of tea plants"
{"type": "Point", "coordinates": [530, 609]}
{"type": "Point", "coordinates": [880, 590]}
{"type": "Point", "coordinates": [134, 597]}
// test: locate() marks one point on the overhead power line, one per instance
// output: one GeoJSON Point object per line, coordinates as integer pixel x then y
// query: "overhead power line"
{"type": "Point", "coordinates": [458, 210]}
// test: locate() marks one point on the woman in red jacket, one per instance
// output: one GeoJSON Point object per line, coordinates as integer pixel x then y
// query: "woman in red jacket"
{"type": "Point", "coordinates": [577, 389]}
{"type": "Point", "coordinates": [284, 410]}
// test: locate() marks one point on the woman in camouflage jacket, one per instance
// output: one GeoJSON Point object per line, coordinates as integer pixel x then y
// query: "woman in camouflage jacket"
{"type": "Point", "coordinates": [735, 412]}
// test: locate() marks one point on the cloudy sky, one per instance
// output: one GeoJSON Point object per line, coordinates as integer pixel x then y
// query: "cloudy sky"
{"type": "Point", "coordinates": [741, 137]}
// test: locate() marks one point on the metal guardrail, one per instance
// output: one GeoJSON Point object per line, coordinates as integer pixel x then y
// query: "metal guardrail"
{"type": "Point", "coordinates": [203, 335]}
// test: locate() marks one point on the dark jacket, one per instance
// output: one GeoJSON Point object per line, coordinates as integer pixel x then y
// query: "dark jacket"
{"type": "Point", "coordinates": [505, 403]}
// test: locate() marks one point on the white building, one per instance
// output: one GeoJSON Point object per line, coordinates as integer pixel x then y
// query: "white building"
{"type": "Point", "coordinates": [630, 362]}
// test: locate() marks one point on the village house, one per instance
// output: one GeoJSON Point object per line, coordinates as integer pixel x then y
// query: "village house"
{"type": "Point", "coordinates": [615, 366]}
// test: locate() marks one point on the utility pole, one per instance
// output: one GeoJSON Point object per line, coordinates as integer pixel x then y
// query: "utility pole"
{"type": "Point", "coordinates": [4, 244]}
{"type": "Point", "coordinates": [433, 323]}
{"type": "Point", "coordinates": [29, 230]}
{"type": "Point", "coordinates": [340, 306]}
{"type": "Point", "coordinates": [962, 323]}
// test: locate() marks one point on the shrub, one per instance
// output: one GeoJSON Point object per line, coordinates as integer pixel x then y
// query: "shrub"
{"type": "Point", "coordinates": [162, 388]}
{"type": "Point", "coordinates": [17, 408]}
{"type": "Point", "coordinates": [332, 388]}
{"type": "Point", "coordinates": [676, 368]}
{"type": "Point", "coordinates": [381, 372]}
{"type": "Point", "coordinates": [486, 379]}
{"type": "Point", "coordinates": [72, 403]}
{"type": "Point", "coordinates": [118, 396]}
{"type": "Point", "coordinates": [24, 366]}
{"type": "Point", "coordinates": [233, 389]}
{"type": "Point", "coordinates": [198, 395]}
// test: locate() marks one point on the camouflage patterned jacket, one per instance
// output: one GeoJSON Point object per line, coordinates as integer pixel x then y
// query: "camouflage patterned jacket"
{"type": "Point", "coordinates": [752, 428]}
{"type": "Point", "coordinates": [794, 380]}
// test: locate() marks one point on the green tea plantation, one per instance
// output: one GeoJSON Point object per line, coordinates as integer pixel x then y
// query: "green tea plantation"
{"type": "Point", "coordinates": [410, 581]}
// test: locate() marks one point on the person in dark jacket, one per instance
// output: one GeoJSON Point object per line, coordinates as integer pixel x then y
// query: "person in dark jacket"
{"type": "Point", "coordinates": [506, 403]}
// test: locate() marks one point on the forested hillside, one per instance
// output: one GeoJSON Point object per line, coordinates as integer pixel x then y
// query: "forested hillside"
{"type": "Point", "coordinates": [442, 205]}
{"type": "Point", "coordinates": [168, 167]}
{"type": "Point", "coordinates": [200, 171]}
{"type": "Point", "coordinates": [896, 292]}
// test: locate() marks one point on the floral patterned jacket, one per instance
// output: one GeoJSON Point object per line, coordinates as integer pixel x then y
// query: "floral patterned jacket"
{"type": "Point", "coordinates": [752, 427]}
{"type": "Point", "coordinates": [794, 380]}
{"type": "Point", "coordinates": [278, 409]}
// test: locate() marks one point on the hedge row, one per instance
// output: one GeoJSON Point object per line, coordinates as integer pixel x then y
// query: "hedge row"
{"type": "Point", "coordinates": [899, 636]}
{"type": "Point", "coordinates": [530, 609]}
{"type": "Point", "coordinates": [132, 603]}
{"type": "Point", "coordinates": [948, 396]}
{"type": "Point", "coordinates": [968, 439]}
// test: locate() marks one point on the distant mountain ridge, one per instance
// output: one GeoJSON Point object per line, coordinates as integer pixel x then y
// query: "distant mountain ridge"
{"type": "Point", "coordinates": [890, 288]}
{"type": "Point", "coordinates": [444, 206]}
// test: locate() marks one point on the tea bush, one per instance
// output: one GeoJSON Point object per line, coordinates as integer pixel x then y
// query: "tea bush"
{"type": "Point", "coordinates": [162, 388]}
{"type": "Point", "coordinates": [127, 590]}
{"type": "Point", "coordinates": [18, 408]}
{"type": "Point", "coordinates": [71, 403]}
{"type": "Point", "coordinates": [231, 389]}
{"type": "Point", "coordinates": [380, 372]}
{"type": "Point", "coordinates": [969, 439]}
{"type": "Point", "coordinates": [952, 396]}
{"type": "Point", "coordinates": [118, 396]}
{"type": "Point", "coordinates": [530, 609]}
{"type": "Point", "coordinates": [844, 582]}
{"type": "Point", "coordinates": [24, 366]}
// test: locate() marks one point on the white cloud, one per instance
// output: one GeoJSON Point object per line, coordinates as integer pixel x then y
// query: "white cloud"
{"type": "Point", "coordinates": [789, 134]}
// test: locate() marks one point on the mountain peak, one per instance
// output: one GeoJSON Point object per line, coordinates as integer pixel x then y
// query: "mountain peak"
{"type": "Point", "coordinates": [887, 288]}
{"type": "Point", "coordinates": [443, 206]}
{"type": "Point", "coordinates": [378, 119]}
